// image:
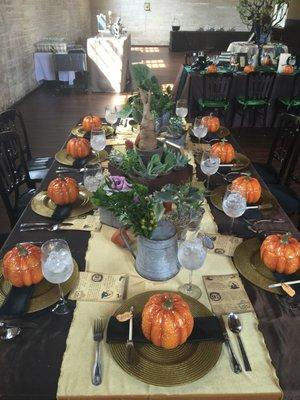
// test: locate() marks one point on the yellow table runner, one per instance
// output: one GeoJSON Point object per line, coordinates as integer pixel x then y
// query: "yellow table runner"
{"type": "Point", "coordinates": [220, 383]}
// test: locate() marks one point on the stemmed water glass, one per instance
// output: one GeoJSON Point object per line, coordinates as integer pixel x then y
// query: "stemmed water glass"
{"type": "Point", "coordinates": [98, 138]}
{"type": "Point", "coordinates": [111, 114]}
{"type": "Point", "coordinates": [191, 255]}
{"type": "Point", "coordinates": [57, 267]}
{"type": "Point", "coordinates": [209, 164]}
{"type": "Point", "coordinates": [199, 130]}
{"type": "Point", "coordinates": [92, 177]}
{"type": "Point", "coordinates": [234, 204]}
{"type": "Point", "coordinates": [181, 108]}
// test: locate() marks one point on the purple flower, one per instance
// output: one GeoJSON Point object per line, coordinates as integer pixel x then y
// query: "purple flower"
{"type": "Point", "coordinates": [119, 184]}
{"type": "Point", "coordinates": [136, 199]}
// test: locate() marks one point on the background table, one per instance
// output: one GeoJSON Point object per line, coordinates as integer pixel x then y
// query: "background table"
{"type": "Point", "coordinates": [30, 364]}
{"type": "Point", "coordinates": [108, 63]}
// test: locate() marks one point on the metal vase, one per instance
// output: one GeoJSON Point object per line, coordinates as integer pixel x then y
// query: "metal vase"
{"type": "Point", "coordinates": [156, 258]}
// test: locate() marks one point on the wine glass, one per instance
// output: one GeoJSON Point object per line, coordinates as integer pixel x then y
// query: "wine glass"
{"type": "Point", "coordinates": [98, 138]}
{"type": "Point", "coordinates": [191, 255]}
{"type": "Point", "coordinates": [92, 177]}
{"type": "Point", "coordinates": [57, 267]}
{"type": "Point", "coordinates": [111, 115]}
{"type": "Point", "coordinates": [181, 108]}
{"type": "Point", "coordinates": [234, 204]}
{"type": "Point", "coordinates": [209, 164]}
{"type": "Point", "coordinates": [199, 130]}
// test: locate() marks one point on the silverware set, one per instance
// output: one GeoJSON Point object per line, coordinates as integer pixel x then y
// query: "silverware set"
{"type": "Point", "coordinates": [130, 351]}
{"type": "Point", "coordinates": [43, 226]}
{"type": "Point", "coordinates": [69, 170]}
{"type": "Point", "coordinates": [235, 326]}
{"type": "Point", "coordinates": [254, 225]}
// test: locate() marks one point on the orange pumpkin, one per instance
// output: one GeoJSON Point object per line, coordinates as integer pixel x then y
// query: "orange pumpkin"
{"type": "Point", "coordinates": [22, 265]}
{"type": "Point", "coordinates": [224, 150]}
{"type": "Point", "coordinates": [281, 253]}
{"type": "Point", "coordinates": [63, 191]}
{"type": "Point", "coordinates": [78, 147]}
{"type": "Point", "coordinates": [248, 185]}
{"type": "Point", "coordinates": [211, 122]}
{"type": "Point", "coordinates": [167, 320]}
{"type": "Point", "coordinates": [248, 69]}
{"type": "Point", "coordinates": [288, 69]}
{"type": "Point", "coordinates": [212, 69]}
{"type": "Point", "coordinates": [91, 121]}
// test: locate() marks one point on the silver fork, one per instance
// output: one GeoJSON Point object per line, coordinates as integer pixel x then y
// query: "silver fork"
{"type": "Point", "coordinates": [97, 336]}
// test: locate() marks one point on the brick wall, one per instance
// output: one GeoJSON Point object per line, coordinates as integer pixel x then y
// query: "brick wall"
{"type": "Point", "coordinates": [153, 27]}
{"type": "Point", "coordinates": [24, 22]}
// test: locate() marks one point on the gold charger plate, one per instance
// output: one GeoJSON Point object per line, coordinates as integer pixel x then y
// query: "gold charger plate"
{"type": "Point", "coordinates": [95, 158]}
{"type": "Point", "coordinates": [217, 195]}
{"type": "Point", "coordinates": [42, 205]}
{"type": "Point", "coordinates": [79, 132]}
{"type": "Point", "coordinates": [160, 367]}
{"type": "Point", "coordinates": [45, 294]}
{"type": "Point", "coordinates": [247, 261]}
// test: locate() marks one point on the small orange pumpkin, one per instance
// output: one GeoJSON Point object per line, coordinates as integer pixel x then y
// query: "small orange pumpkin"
{"type": "Point", "coordinates": [281, 253]}
{"type": "Point", "coordinates": [63, 191]}
{"type": "Point", "coordinates": [288, 69]}
{"type": "Point", "coordinates": [167, 320]}
{"type": "Point", "coordinates": [249, 68]}
{"type": "Point", "coordinates": [91, 121]}
{"type": "Point", "coordinates": [22, 265]}
{"type": "Point", "coordinates": [78, 147]}
{"type": "Point", "coordinates": [212, 69]}
{"type": "Point", "coordinates": [224, 150]}
{"type": "Point", "coordinates": [211, 122]}
{"type": "Point", "coordinates": [248, 185]}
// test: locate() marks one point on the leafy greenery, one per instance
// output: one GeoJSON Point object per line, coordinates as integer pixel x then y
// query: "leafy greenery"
{"type": "Point", "coordinates": [134, 207]}
{"type": "Point", "coordinates": [132, 164]}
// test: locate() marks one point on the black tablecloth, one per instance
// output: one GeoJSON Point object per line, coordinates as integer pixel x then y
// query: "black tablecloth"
{"type": "Point", "coordinates": [189, 85]}
{"type": "Point", "coordinates": [30, 364]}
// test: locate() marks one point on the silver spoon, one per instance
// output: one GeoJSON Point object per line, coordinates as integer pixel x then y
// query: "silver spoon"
{"type": "Point", "coordinates": [235, 326]}
{"type": "Point", "coordinates": [9, 333]}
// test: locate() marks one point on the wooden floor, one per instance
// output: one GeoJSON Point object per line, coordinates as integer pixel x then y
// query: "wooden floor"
{"type": "Point", "coordinates": [49, 117]}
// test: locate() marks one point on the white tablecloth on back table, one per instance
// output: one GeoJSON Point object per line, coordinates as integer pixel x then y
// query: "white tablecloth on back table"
{"type": "Point", "coordinates": [44, 69]}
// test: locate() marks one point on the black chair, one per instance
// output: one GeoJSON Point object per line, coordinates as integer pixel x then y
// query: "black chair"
{"type": "Point", "coordinates": [37, 166]}
{"type": "Point", "coordinates": [16, 187]}
{"type": "Point", "coordinates": [290, 104]}
{"type": "Point", "coordinates": [216, 93]}
{"type": "Point", "coordinates": [287, 132]}
{"type": "Point", "coordinates": [259, 86]}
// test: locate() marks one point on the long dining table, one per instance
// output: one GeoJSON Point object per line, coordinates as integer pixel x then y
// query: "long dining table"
{"type": "Point", "coordinates": [30, 364]}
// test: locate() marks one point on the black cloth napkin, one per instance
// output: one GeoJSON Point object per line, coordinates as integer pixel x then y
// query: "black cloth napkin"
{"type": "Point", "coordinates": [16, 302]}
{"type": "Point", "coordinates": [61, 212]}
{"type": "Point", "coordinates": [80, 162]}
{"type": "Point", "coordinates": [87, 135]}
{"type": "Point", "coordinates": [205, 328]}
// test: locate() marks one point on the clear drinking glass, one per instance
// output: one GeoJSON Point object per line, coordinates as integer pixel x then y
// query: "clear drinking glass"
{"type": "Point", "coordinates": [209, 164]}
{"type": "Point", "coordinates": [234, 204]}
{"type": "Point", "coordinates": [98, 138]}
{"type": "Point", "coordinates": [199, 130]}
{"type": "Point", "coordinates": [181, 108]}
{"type": "Point", "coordinates": [111, 114]}
{"type": "Point", "coordinates": [92, 177]}
{"type": "Point", "coordinates": [191, 255]}
{"type": "Point", "coordinates": [57, 267]}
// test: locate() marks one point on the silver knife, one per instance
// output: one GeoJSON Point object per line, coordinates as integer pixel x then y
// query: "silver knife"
{"type": "Point", "coordinates": [233, 360]}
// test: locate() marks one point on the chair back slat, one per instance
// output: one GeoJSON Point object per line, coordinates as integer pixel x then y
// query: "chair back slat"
{"type": "Point", "coordinates": [259, 85]}
{"type": "Point", "coordinates": [13, 172]}
{"type": "Point", "coordinates": [283, 146]}
{"type": "Point", "coordinates": [216, 86]}
{"type": "Point", "coordinates": [13, 120]}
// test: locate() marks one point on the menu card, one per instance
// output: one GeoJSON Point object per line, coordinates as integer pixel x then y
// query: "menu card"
{"type": "Point", "coordinates": [226, 294]}
{"type": "Point", "coordinates": [99, 287]}
{"type": "Point", "coordinates": [224, 244]}
{"type": "Point", "coordinates": [86, 222]}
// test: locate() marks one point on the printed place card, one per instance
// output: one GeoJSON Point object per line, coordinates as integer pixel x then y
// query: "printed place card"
{"type": "Point", "coordinates": [99, 287]}
{"type": "Point", "coordinates": [226, 294]}
{"type": "Point", "coordinates": [224, 244]}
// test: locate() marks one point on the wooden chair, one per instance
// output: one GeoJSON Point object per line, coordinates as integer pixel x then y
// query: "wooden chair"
{"type": "Point", "coordinates": [216, 92]}
{"type": "Point", "coordinates": [259, 86]}
{"type": "Point", "coordinates": [16, 187]}
{"type": "Point", "coordinates": [14, 121]}
{"type": "Point", "coordinates": [287, 132]}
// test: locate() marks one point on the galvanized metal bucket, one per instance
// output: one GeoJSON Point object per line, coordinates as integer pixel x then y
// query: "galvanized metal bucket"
{"type": "Point", "coordinates": [108, 218]}
{"type": "Point", "coordinates": [156, 258]}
